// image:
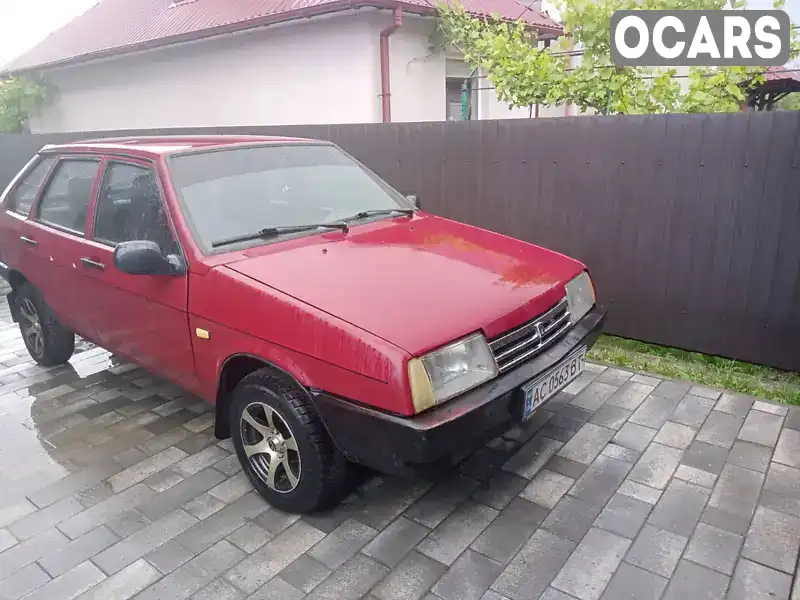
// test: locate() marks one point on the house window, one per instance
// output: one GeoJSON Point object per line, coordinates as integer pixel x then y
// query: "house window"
{"type": "Point", "coordinates": [453, 90]}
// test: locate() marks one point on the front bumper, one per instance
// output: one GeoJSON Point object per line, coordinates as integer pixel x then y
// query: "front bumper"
{"type": "Point", "coordinates": [400, 445]}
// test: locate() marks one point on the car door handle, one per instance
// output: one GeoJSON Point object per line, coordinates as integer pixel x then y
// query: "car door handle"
{"type": "Point", "coordinates": [28, 241]}
{"type": "Point", "coordinates": [93, 263]}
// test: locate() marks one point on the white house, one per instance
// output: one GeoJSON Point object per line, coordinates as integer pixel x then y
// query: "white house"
{"type": "Point", "coordinates": [132, 64]}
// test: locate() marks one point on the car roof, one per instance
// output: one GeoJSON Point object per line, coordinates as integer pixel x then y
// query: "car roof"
{"type": "Point", "coordinates": [168, 144]}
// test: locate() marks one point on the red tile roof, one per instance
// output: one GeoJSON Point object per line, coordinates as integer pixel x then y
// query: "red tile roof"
{"type": "Point", "coordinates": [119, 26]}
{"type": "Point", "coordinates": [779, 73]}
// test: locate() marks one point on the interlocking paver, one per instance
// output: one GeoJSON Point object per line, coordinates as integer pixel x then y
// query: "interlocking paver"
{"type": "Point", "coordinates": [547, 488]}
{"type": "Point", "coordinates": [432, 508]}
{"type": "Point", "coordinates": [761, 428]}
{"type": "Point", "coordinates": [679, 508]}
{"type": "Point", "coordinates": [734, 404]}
{"type": "Point", "coordinates": [655, 410]}
{"type": "Point", "coordinates": [531, 457]}
{"type": "Point", "coordinates": [168, 557]}
{"type": "Point", "coordinates": [720, 429]}
{"type": "Point", "coordinates": [787, 452]}
{"type": "Point", "coordinates": [305, 573]}
{"type": "Point", "coordinates": [587, 443]}
{"type": "Point", "coordinates": [750, 456]}
{"type": "Point", "coordinates": [692, 410]}
{"type": "Point", "coordinates": [273, 557]}
{"type": "Point", "coordinates": [623, 515]}
{"type": "Point", "coordinates": [393, 543]}
{"type": "Point", "coordinates": [195, 574]}
{"type": "Point", "coordinates": [342, 543]}
{"type": "Point", "coordinates": [633, 583]}
{"type": "Point", "coordinates": [350, 582]}
{"type": "Point", "coordinates": [75, 552]}
{"type": "Point", "coordinates": [23, 582]}
{"type": "Point", "coordinates": [782, 489]}
{"type": "Point", "coordinates": [411, 579]}
{"type": "Point", "coordinates": [219, 589]}
{"type": "Point", "coordinates": [125, 584]}
{"type": "Point", "coordinates": [456, 532]}
{"type": "Point", "coordinates": [695, 582]}
{"type": "Point", "coordinates": [630, 395]}
{"type": "Point", "coordinates": [135, 546]}
{"type": "Point", "coordinates": [657, 550]}
{"type": "Point", "coordinates": [510, 530]}
{"type": "Point", "coordinates": [24, 553]}
{"type": "Point", "coordinates": [571, 518]}
{"type": "Point", "coordinates": [600, 480]}
{"type": "Point", "coordinates": [737, 490]}
{"type": "Point", "coordinates": [70, 585]}
{"type": "Point", "coordinates": [752, 581]}
{"type": "Point", "coordinates": [590, 567]}
{"type": "Point", "coordinates": [656, 466]}
{"type": "Point", "coordinates": [773, 540]}
{"type": "Point", "coordinates": [635, 436]}
{"type": "Point", "coordinates": [532, 569]}
{"type": "Point", "coordinates": [696, 476]}
{"type": "Point", "coordinates": [714, 548]}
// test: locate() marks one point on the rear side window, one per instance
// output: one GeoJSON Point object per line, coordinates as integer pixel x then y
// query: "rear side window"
{"type": "Point", "coordinates": [67, 196]}
{"type": "Point", "coordinates": [22, 196]}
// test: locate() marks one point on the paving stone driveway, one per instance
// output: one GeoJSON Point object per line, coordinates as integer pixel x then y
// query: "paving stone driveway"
{"type": "Point", "coordinates": [628, 486]}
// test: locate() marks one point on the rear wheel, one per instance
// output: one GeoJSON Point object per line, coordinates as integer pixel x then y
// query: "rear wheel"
{"type": "Point", "coordinates": [283, 445]}
{"type": "Point", "coordinates": [47, 341]}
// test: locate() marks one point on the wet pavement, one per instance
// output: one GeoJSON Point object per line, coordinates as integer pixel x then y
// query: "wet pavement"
{"type": "Point", "coordinates": [627, 486]}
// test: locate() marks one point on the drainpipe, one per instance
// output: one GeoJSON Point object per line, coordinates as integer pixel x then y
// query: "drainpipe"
{"type": "Point", "coordinates": [386, 94]}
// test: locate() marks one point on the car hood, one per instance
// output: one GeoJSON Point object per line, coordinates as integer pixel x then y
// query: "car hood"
{"type": "Point", "coordinates": [416, 282]}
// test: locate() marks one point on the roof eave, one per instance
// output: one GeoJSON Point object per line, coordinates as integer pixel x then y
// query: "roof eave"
{"type": "Point", "coordinates": [300, 13]}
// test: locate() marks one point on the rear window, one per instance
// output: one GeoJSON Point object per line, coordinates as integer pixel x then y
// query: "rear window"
{"type": "Point", "coordinates": [236, 192]}
{"type": "Point", "coordinates": [24, 193]}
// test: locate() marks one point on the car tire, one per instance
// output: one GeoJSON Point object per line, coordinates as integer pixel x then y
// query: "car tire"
{"type": "Point", "coordinates": [301, 476]}
{"type": "Point", "coordinates": [47, 341]}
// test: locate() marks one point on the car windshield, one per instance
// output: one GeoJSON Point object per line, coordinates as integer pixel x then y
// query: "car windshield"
{"type": "Point", "coordinates": [234, 192]}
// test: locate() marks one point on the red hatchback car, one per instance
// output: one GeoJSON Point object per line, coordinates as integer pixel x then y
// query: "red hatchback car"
{"type": "Point", "coordinates": [328, 318]}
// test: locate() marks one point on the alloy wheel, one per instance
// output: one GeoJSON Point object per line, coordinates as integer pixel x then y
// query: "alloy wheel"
{"type": "Point", "coordinates": [270, 447]}
{"type": "Point", "coordinates": [32, 326]}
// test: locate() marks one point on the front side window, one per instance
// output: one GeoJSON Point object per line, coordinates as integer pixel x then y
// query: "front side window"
{"type": "Point", "coordinates": [130, 208]}
{"type": "Point", "coordinates": [23, 195]}
{"type": "Point", "coordinates": [67, 196]}
{"type": "Point", "coordinates": [236, 192]}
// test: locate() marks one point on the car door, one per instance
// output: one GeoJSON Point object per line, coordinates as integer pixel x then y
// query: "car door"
{"type": "Point", "coordinates": [53, 238]}
{"type": "Point", "coordinates": [17, 203]}
{"type": "Point", "coordinates": [143, 317]}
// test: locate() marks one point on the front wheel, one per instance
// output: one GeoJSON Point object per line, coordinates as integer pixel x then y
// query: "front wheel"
{"type": "Point", "coordinates": [283, 447]}
{"type": "Point", "coordinates": [47, 341]}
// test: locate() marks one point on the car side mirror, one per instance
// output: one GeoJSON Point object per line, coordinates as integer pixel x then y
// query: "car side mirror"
{"type": "Point", "coordinates": [143, 257]}
{"type": "Point", "coordinates": [412, 198]}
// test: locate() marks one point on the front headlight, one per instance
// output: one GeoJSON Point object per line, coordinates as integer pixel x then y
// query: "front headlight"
{"type": "Point", "coordinates": [580, 296]}
{"type": "Point", "coordinates": [450, 370]}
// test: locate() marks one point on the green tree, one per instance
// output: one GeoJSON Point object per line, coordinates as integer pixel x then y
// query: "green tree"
{"type": "Point", "coordinates": [524, 74]}
{"type": "Point", "coordinates": [19, 98]}
{"type": "Point", "coordinates": [790, 102]}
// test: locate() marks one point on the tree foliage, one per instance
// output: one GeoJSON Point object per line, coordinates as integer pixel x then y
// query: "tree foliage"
{"type": "Point", "coordinates": [524, 74]}
{"type": "Point", "coordinates": [790, 102]}
{"type": "Point", "coordinates": [19, 98]}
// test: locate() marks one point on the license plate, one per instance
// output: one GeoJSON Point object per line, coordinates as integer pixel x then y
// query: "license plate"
{"type": "Point", "coordinates": [556, 379]}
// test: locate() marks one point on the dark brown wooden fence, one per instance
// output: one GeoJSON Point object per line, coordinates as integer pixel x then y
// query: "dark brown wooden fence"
{"type": "Point", "coordinates": [689, 223]}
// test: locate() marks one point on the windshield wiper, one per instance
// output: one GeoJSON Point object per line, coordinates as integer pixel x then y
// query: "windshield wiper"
{"type": "Point", "coordinates": [280, 230]}
{"type": "Point", "coordinates": [380, 211]}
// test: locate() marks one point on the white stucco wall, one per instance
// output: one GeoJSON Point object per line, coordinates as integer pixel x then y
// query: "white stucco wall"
{"type": "Point", "coordinates": [323, 70]}
{"type": "Point", "coordinates": [315, 71]}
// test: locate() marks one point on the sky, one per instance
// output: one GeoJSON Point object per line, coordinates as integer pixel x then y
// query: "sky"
{"type": "Point", "coordinates": [24, 23]}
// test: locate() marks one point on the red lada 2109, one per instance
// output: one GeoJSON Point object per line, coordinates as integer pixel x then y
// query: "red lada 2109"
{"type": "Point", "coordinates": [327, 318]}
